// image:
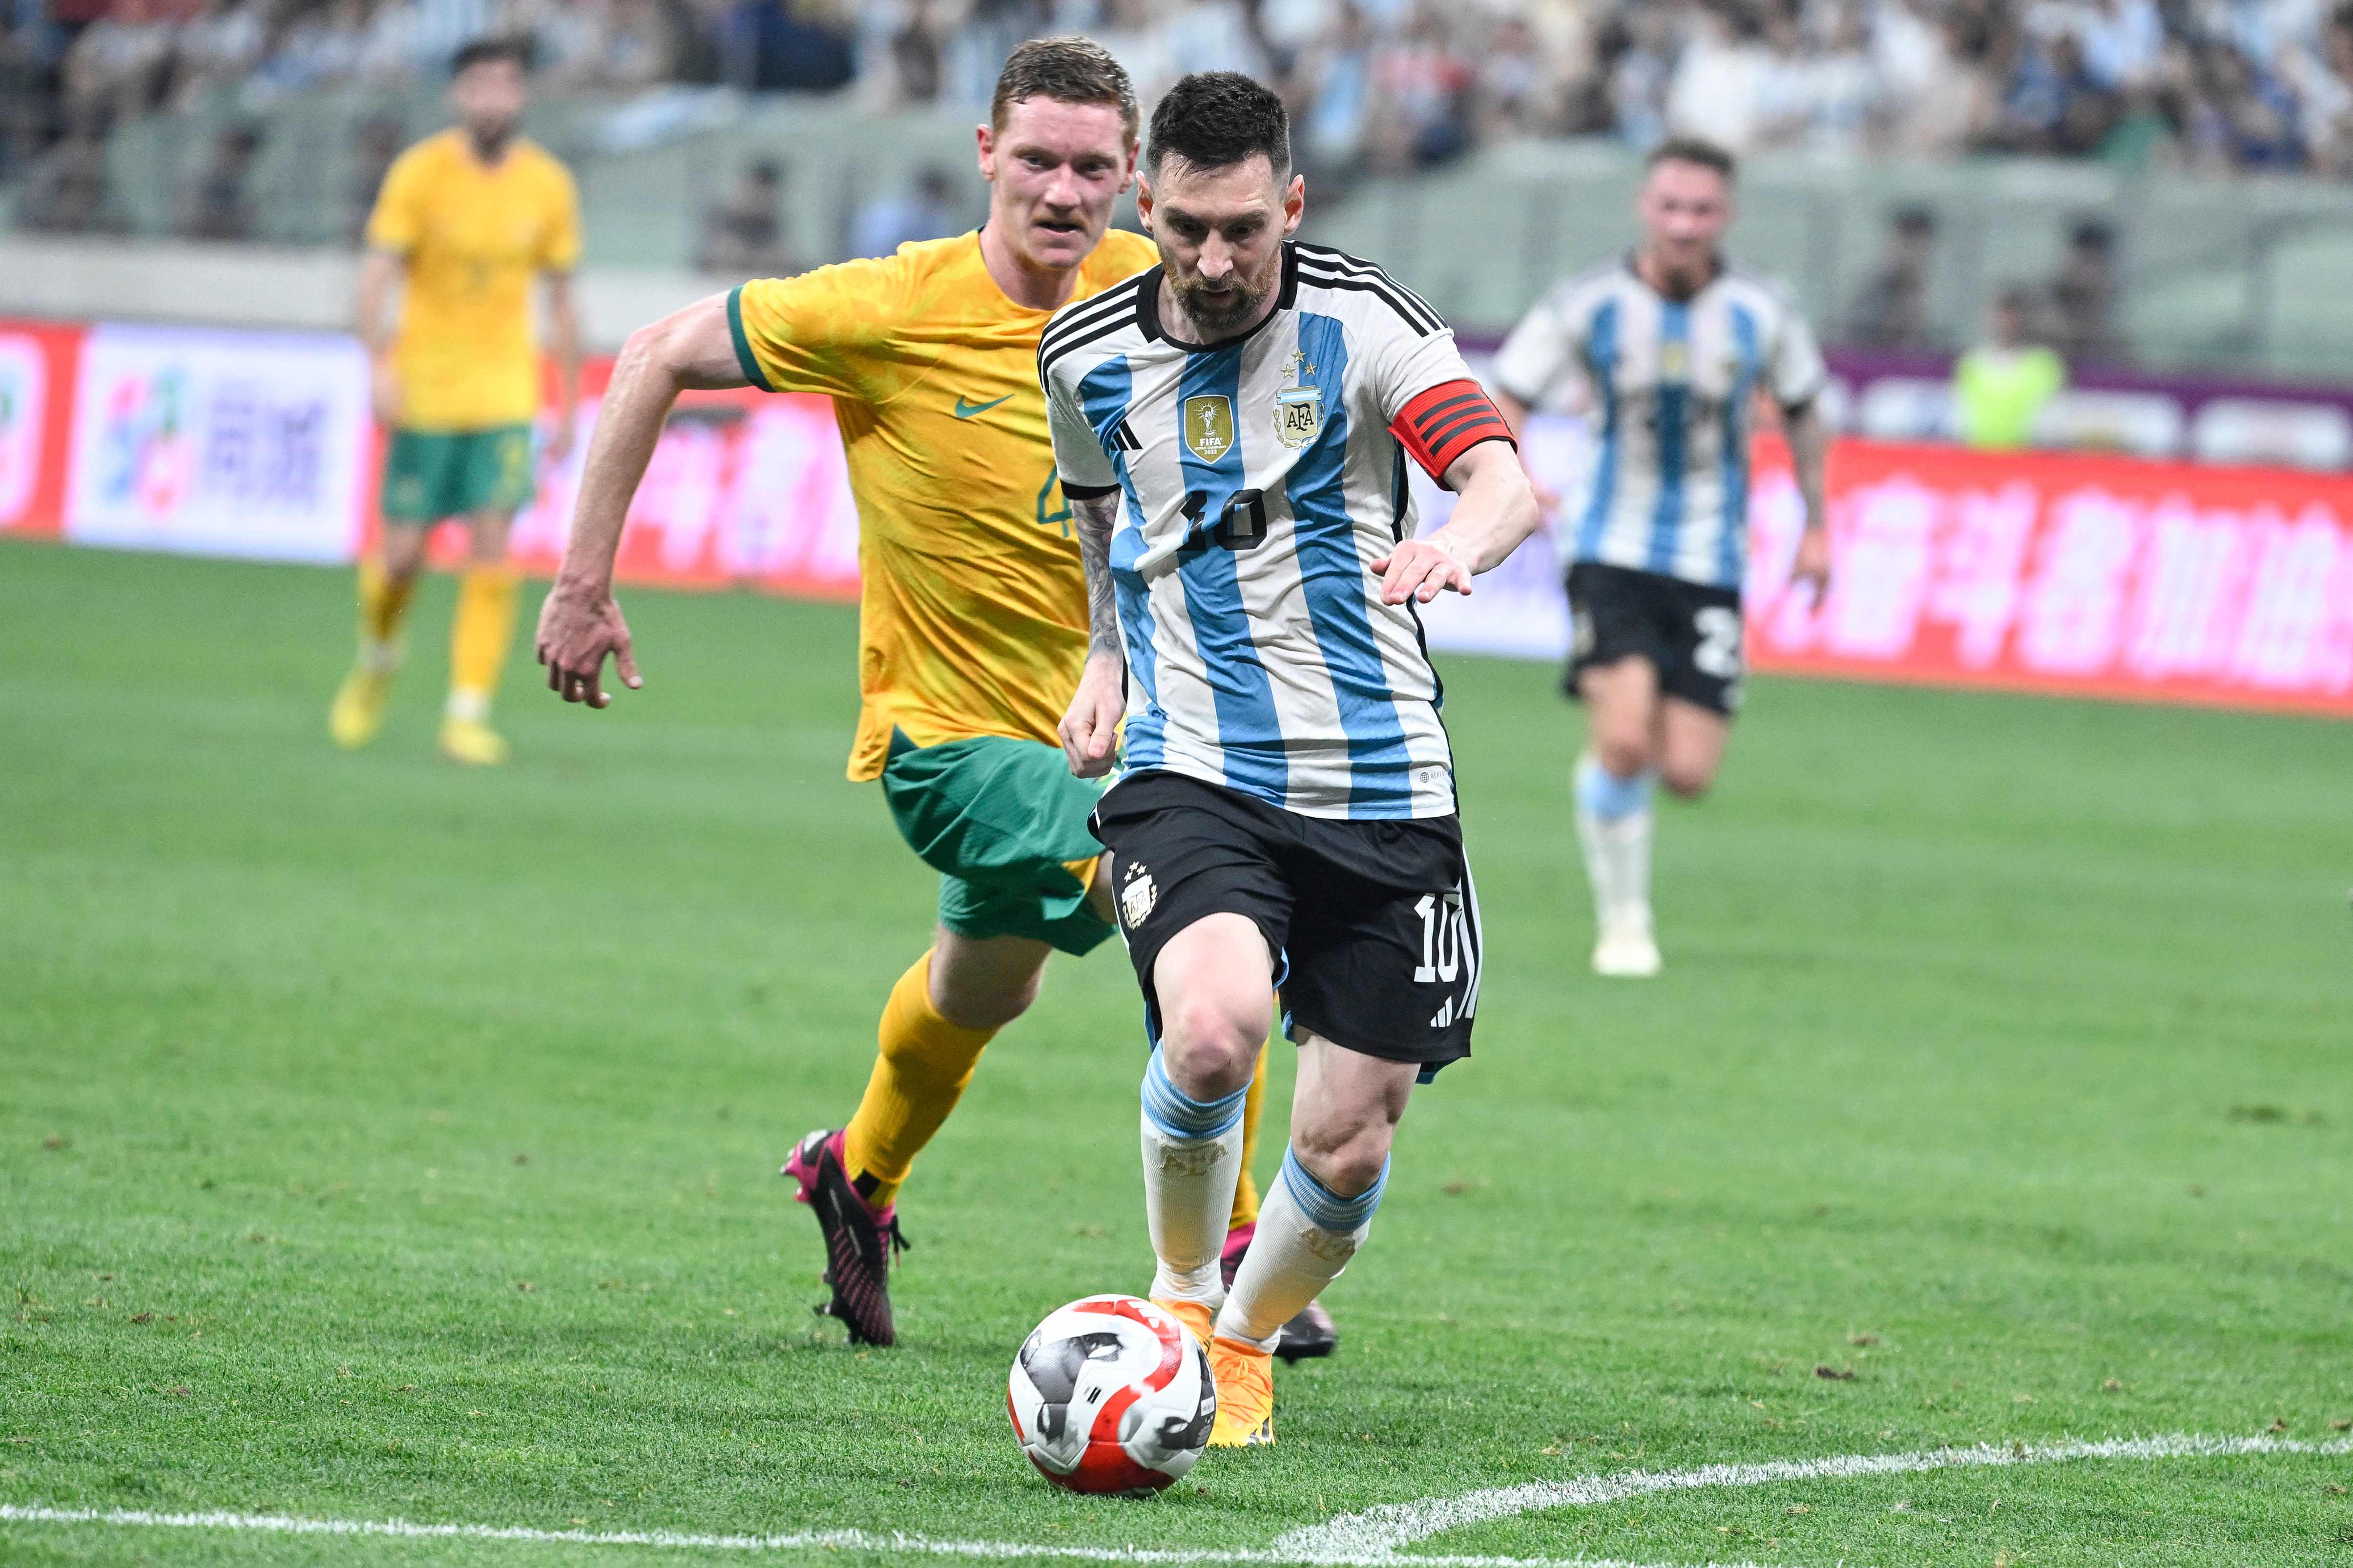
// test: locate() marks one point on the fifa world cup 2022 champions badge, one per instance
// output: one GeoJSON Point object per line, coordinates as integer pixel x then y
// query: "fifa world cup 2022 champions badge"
{"type": "Point", "coordinates": [1137, 895]}
{"type": "Point", "coordinates": [1299, 408]}
{"type": "Point", "coordinates": [1209, 426]}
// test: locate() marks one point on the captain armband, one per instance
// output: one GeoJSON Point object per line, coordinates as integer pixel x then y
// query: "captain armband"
{"type": "Point", "coordinates": [1448, 420]}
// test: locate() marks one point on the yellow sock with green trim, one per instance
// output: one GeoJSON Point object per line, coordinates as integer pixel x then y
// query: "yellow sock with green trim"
{"type": "Point", "coordinates": [1246, 1190]}
{"type": "Point", "coordinates": [480, 637]}
{"type": "Point", "coordinates": [924, 1064]}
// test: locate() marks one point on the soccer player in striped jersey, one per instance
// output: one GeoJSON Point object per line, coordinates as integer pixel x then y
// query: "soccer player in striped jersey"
{"type": "Point", "coordinates": [1232, 429]}
{"type": "Point", "coordinates": [972, 623]}
{"type": "Point", "coordinates": [1666, 350]}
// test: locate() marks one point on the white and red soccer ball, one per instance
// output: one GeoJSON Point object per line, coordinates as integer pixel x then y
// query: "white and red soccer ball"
{"type": "Point", "coordinates": [1112, 1395]}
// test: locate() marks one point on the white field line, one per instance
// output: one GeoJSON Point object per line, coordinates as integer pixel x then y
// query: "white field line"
{"type": "Point", "coordinates": [883, 1542]}
{"type": "Point", "coordinates": [1378, 1531]}
{"type": "Point", "coordinates": [1367, 1539]}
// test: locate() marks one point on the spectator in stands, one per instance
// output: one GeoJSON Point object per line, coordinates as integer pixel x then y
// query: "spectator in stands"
{"type": "Point", "coordinates": [902, 55]}
{"type": "Point", "coordinates": [27, 106]}
{"type": "Point", "coordinates": [601, 46]}
{"type": "Point", "coordinates": [1332, 83]}
{"type": "Point", "coordinates": [118, 66]}
{"type": "Point", "coordinates": [743, 232]}
{"type": "Point", "coordinates": [1640, 50]}
{"type": "Point", "coordinates": [2000, 386]}
{"type": "Point", "coordinates": [317, 47]}
{"type": "Point", "coordinates": [1718, 92]}
{"type": "Point", "coordinates": [217, 205]}
{"type": "Point", "coordinates": [2324, 92]}
{"type": "Point", "coordinates": [69, 192]}
{"type": "Point", "coordinates": [2052, 102]}
{"type": "Point", "coordinates": [216, 49]}
{"type": "Point", "coordinates": [2122, 41]}
{"type": "Point", "coordinates": [1890, 313]}
{"type": "Point", "coordinates": [1420, 113]}
{"type": "Point", "coordinates": [1516, 92]}
{"type": "Point", "coordinates": [927, 211]}
{"type": "Point", "coordinates": [771, 45]}
{"type": "Point", "coordinates": [374, 146]}
{"type": "Point", "coordinates": [1137, 36]}
{"type": "Point", "coordinates": [1213, 36]}
{"type": "Point", "coordinates": [2082, 295]}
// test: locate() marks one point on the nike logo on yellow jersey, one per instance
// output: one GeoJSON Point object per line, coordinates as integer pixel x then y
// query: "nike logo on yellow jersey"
{"type": "Point", "coordinates": [967, 410]}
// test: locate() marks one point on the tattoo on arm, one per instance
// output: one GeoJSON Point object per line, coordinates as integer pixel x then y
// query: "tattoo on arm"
{"type": "Point", "coordinates": [1094, 520]}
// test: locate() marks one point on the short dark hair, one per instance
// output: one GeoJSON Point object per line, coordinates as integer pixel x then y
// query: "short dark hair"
{"type": "Point", "coordinates": [1693, 150]}
{"type": "Point", "coordinates": [1214, 120]}
{"type": "Point", "coordinates": [1068, 70]}
{"type": "Point", "coordinates": [475, 52]}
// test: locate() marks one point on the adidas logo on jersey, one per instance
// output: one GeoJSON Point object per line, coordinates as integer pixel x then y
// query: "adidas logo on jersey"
{"type": "Point", "coordinates": [1445, 1015]}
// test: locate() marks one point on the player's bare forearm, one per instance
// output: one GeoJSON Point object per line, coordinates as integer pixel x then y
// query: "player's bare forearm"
{"type": "Point", "coordinates": [1494, 510]}
{"type": "Point", "coordinates": [1810, 445]}
{"type": "Point", "coordinates": [1090, 729]}
{"type": "Point", "coordinates": [564, 318]}
{"type": "Point", "coordinates": [379, 270]}
{"type": "Point", "coordinates": [1094, 520]}
{"type": "Point", "coordinates": [580, 625]}
{"type": "Point", "coordinates": [688, 350]}
{"type": "Point", "coordinates": [1516, 419]}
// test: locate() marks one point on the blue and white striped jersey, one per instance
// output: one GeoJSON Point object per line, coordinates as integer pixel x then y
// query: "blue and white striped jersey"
{"type": "Point", "coordinates": [1258, 480]}
{"type": "Point", "coordinates": [1669, 385]}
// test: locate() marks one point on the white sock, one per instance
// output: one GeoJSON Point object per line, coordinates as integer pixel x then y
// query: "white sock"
{"type": "Point", "coordinates": [1306, 1234]}
{"type": "Point", "coordinates": [1192, 1162]}
{"type": "Point", "coordinates": [1613, 824]}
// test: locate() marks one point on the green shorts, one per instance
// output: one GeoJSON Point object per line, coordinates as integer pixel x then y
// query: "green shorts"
{"type": "Point", "coordinates": [999, 819]}
{"type": "Point", "coordinates": [432, 474]}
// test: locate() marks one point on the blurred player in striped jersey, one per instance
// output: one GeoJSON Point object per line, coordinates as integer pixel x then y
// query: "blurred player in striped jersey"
{"type": "Point", "coordinates": [466, 220]}
{"type": "Point", "coordinates": [973, 618]}
{"type": "Point", "coordinates": [1666, 351]}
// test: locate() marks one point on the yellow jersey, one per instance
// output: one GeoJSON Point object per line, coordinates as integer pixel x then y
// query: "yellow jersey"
{"type": "Point", "coordinates": [474, 236]}
{"type": "Point", "coordinates": [973, 614]}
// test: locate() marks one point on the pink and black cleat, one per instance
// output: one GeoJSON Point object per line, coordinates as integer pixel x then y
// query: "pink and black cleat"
{"type": "Point", "coordinates": [860, 1243]}
{"type": "Point", "coordinates": [1307, 1336]}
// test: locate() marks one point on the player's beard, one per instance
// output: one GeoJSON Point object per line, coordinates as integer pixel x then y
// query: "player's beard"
{"type": "Point", "coordinates": [490, 138]}
{"type": "Point", "coordinates": [1214, 319]}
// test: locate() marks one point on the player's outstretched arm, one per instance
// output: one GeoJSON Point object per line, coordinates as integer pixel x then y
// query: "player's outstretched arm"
{"type": "Point", "coordinates": [581, 624]}
{"type": "Point", "coordinates": [1809, 446]}
{"type": "Point", "coordinates": [1090, 730]}
{"type": "Point", "coordinates": [1494, 510]}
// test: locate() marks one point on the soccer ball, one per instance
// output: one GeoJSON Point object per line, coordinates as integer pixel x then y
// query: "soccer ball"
{"type": "Point", "coordinates": [1112, 1395]}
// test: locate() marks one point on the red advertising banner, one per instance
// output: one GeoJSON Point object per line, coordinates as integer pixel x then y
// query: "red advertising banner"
{"type": "Point", "coordinates": [38, 364]}
{"type": "Point", "coordinates": [2103, 576]}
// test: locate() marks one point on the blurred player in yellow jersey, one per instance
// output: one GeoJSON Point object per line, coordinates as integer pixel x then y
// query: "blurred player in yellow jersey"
{"type": "Point", "coordinates": [973, 625]}
{"type": "Point", "coordinates": [466, 221]}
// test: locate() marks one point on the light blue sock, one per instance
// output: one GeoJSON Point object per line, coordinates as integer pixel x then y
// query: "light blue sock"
{"type": "Point", "coordinates": [1608, 796]}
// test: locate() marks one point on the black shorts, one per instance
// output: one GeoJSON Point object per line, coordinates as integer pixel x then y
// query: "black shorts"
{"type": "Point", "coordinates": [1689, 632]}
{"type": "Point", "coordinates": [1374, 924]}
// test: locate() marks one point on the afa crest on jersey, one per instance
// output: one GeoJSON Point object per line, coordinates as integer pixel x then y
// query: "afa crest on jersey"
{"type": "Point", "coordinates": [1209, 427]}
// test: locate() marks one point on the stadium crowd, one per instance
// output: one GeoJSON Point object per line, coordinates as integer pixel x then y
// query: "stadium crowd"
{"type": "Point", "coordinates": [1379, 85]}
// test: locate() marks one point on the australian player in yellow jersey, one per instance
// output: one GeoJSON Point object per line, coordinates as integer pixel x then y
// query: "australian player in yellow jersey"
{"type": "Point", "coordinates": [973, 625]}
{"type": "Point", "coordinates": [465, 222]}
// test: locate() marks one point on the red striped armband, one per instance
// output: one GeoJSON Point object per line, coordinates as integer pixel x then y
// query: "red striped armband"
{"type": "Point", "coordinates": [1446, 421]}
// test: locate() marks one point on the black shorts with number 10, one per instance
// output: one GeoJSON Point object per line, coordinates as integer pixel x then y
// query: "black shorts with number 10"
{"type": "Point", "coordinates": [1689, 631]}
{"type": "Point", "coordinates": [1374, 924]}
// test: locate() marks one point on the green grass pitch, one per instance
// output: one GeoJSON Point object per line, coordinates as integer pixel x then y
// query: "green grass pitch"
{"type": "Point", "coordinates": [385, 1140]}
